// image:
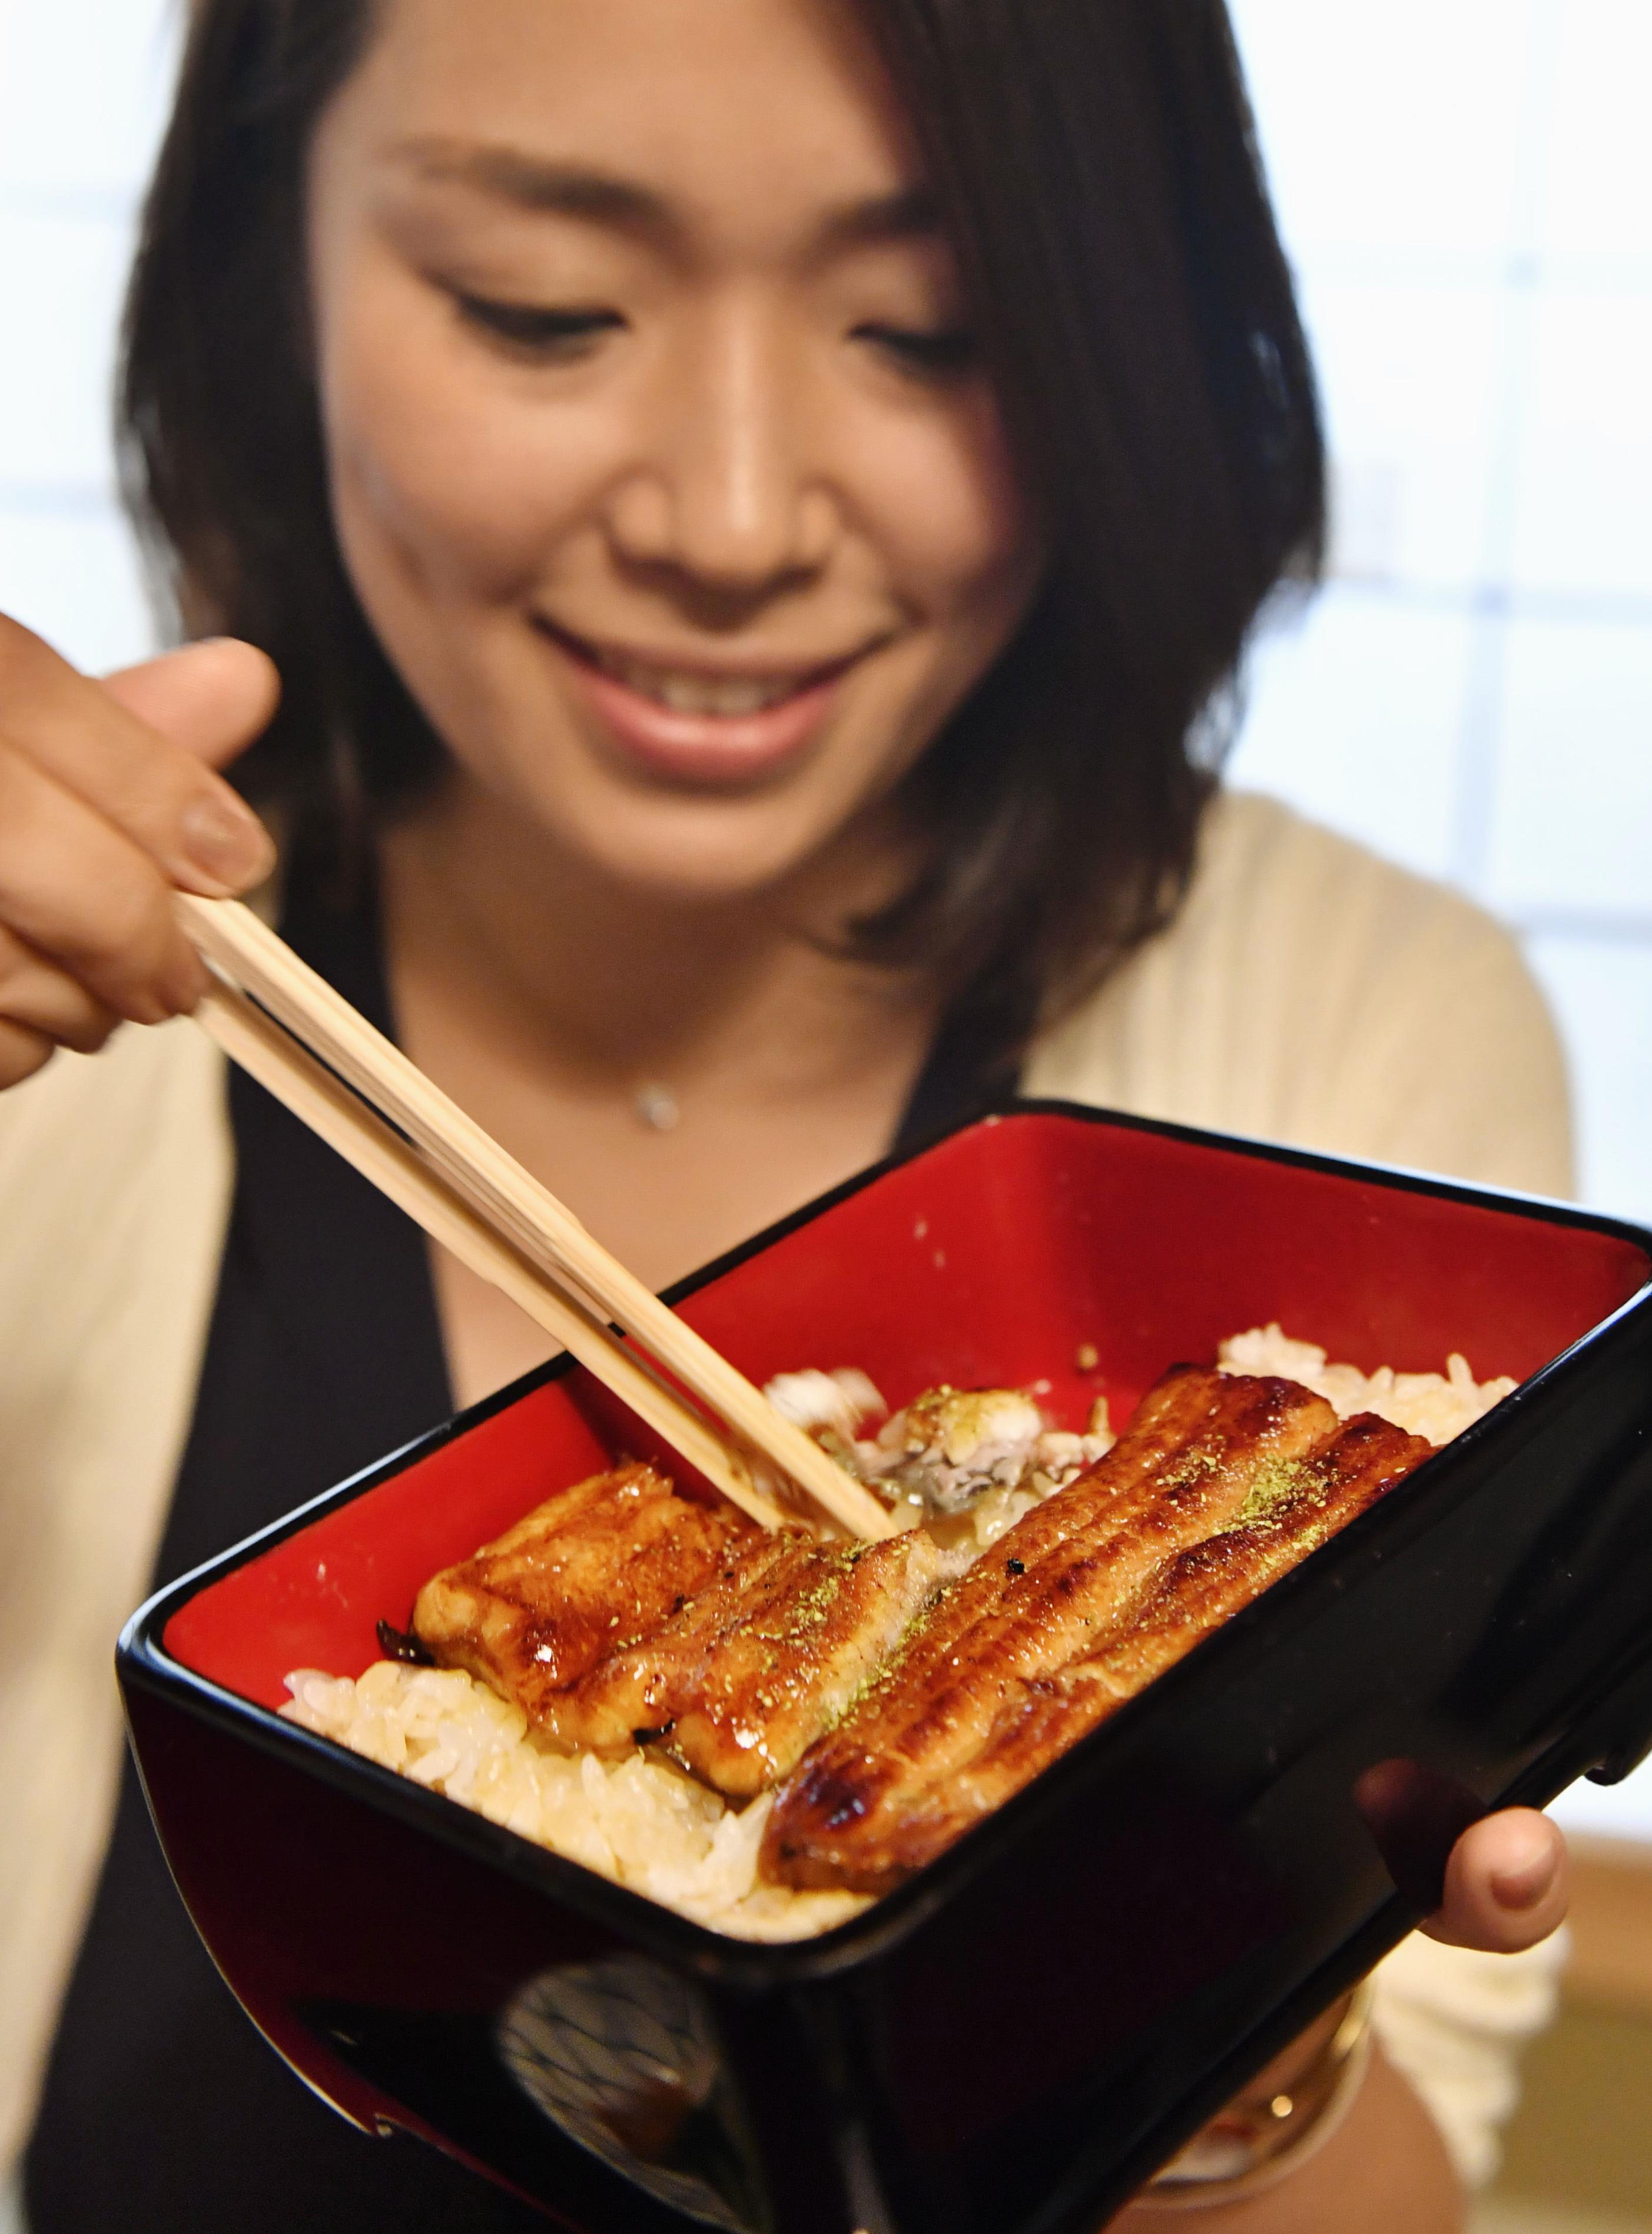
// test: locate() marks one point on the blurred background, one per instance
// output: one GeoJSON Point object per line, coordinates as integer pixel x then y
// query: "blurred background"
{"type": "Point", "coordinates": [1466, 190]}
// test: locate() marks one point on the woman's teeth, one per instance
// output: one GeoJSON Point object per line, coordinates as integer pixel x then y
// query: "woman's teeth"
{"type": "Point", "coordinates": [684, 693]}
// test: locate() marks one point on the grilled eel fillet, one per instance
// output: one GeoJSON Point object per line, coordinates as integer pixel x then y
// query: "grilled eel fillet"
{"type": "Point", "coordinates": [742, 1682]}
{"type": "Point", "coordinates": [1189, 1595]}
{"type": "Point", "coordinates": [873, 1801]}
{"type": "Point", "coordinates": [595, 1566]}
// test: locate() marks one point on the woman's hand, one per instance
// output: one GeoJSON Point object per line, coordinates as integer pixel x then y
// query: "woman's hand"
{"type": "Point", "coordinates": [1493, 1882]}
{"type": "Point", "coordinates": [1506, 1884]}
{"type": "Point", "coordinates": [109, 804]}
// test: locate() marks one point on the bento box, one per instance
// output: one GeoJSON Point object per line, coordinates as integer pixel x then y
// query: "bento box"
{"type": "Point", "coordinates": [1018, 2035]}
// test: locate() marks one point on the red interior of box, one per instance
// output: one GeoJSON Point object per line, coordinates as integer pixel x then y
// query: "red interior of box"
{"type": "Point", "coordinates": [994, 1259]}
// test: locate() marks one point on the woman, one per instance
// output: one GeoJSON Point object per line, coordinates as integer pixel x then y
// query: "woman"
{"type": "Point", "coordinates": [755, 510]}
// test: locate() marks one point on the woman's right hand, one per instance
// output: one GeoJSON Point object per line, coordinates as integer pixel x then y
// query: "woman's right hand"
{"type": "Point", "coordinates": [109, 804]}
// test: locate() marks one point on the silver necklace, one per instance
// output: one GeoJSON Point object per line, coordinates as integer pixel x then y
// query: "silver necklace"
{"type": "Point", "coordinates": [655, 1106]}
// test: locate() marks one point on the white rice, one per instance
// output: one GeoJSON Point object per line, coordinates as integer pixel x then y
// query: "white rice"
{"type": "Point", "coordinates": [637, 1820]}
{"type": "Point", "coordinates": [646, 1826]}
{"type": "Point", "coordinates": [1436, 1406]}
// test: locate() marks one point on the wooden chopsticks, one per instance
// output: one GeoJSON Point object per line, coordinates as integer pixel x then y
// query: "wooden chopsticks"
{"type": "Point", "coordinates": [300, 1039]}
{"type": "Point", "coordinates": [341, 1119]}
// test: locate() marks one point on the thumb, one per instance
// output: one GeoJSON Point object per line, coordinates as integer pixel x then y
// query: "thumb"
{"type": "Point", "coordinates": [212, 698]}
{"type": "Point", "coordinates": [1506, 1884]}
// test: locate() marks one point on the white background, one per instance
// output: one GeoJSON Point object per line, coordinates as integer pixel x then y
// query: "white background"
{"type": "Point", "coordinates": [1466, 190]}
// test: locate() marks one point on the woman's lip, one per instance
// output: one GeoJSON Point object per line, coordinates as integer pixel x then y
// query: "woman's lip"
{"type": "Point", "coordinates": [730, 749]}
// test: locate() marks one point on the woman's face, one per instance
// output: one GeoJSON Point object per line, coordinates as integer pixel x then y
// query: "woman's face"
{"type": "Point", "coordinates": [661, 461]}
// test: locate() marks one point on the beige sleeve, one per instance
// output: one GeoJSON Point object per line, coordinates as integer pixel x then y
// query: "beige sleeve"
{"type": "Point", "coordinates": [1453, 2022]}
{"type": "Point", "coordinates": [1448, 1059]}
{"type": "Point", "coordinates": [114, 1184]}
{"type": "Point", "coordinates": [1311, 993]}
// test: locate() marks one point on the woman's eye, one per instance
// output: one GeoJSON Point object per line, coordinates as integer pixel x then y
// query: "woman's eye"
{"type": "Point", "coordinates": [535, 331]}
{"type": "Point", "coordinates": [932, 356]}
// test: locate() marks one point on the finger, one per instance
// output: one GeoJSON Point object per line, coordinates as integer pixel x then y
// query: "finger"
{"type": "Point", "coordinates": [1505, 1885]}
{"type": "Point", "coordinates": [1416, 1816]}
{"type": "Point", "coordinates": [212, 698]}
{"type": "Point", "coordinates": [154, 791]}
{"type": "Point", "coordinates": [86, 899]}
{"type": "Point", "coordinates": [21, 1054]}
{"type": "Point", "coordinates": [47, 1000]}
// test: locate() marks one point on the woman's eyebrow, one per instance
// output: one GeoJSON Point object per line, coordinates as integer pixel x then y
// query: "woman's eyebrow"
{"type": "Point", "coordinates": [538, 182]}
{"type": "Point", "coordinates": [908, 213]}
{"type": "Point", "coordinates": [577, 190]}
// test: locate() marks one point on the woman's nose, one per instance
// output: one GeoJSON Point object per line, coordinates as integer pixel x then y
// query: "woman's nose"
{"type": "Point", "coordinates": [724, 488]}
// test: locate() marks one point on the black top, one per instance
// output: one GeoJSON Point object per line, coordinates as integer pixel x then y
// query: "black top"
{"type": "Point", "coordinates": [163, 2113]}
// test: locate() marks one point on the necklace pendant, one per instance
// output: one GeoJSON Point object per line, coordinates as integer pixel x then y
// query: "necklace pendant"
{"type": "Point", "coordinates": [656, 1108]}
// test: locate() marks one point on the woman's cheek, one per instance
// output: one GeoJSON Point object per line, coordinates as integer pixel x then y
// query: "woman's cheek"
{"type": "Point", "coordinates": [949, 511]}
{"type": "Point", "coordinates": [466, 480]}
{"type": "Point", "coordinates": [441, 507]}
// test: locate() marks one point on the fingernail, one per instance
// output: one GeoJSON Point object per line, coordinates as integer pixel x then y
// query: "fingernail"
{"type": "Point", "coordinates": [226, 842]}
{"type": "Point", "coordinates": [1524, 1886]}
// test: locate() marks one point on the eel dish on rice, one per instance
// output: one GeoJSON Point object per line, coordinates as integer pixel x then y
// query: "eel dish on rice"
{"type": "Point", "coordinates": [874, 1700]}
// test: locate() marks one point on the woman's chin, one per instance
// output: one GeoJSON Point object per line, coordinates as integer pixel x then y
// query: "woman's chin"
{"type": "Point", "coordinates": [699, 854]}
{"type": "Point", "coordinates": [549, 810]}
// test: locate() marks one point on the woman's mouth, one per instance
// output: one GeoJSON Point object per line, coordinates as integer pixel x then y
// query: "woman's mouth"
{"type": "Point", "coordinates": [696, 723]}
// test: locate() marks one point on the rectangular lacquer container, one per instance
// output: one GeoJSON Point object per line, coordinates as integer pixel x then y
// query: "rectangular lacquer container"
{"type": "Point", "coordinates": [1014, 2040]}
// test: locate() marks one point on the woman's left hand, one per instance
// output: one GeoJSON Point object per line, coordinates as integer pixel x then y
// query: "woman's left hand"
{"type": "Point", "coordinates": [1496, 1881]}
{"type": "Point", "coordinates": [1506, 1884]}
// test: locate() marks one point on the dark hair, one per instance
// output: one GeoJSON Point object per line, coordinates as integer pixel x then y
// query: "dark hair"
{"type": "Point", "coordinates": [1097, 164]}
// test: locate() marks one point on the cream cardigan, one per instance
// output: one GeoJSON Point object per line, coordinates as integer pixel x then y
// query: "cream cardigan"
{"type": "Point", "coordinates": [1307, 992]}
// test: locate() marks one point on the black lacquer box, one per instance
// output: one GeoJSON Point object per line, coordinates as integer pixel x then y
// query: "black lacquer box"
{"type": "Point", "coordinates": [1014, 2040]}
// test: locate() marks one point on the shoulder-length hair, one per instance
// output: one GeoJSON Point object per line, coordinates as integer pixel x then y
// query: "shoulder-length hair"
{"type": "Point", "coordinates": [1097, 165]}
